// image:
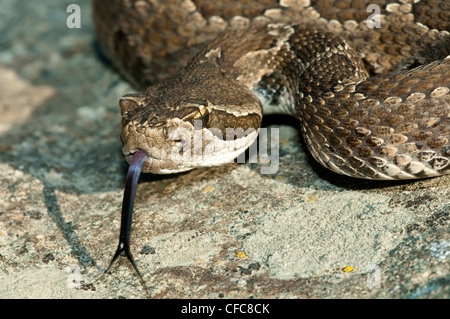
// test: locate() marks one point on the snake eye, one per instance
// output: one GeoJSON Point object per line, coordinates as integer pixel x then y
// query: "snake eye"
{"type": "Point", "coordinates": [197, 114]}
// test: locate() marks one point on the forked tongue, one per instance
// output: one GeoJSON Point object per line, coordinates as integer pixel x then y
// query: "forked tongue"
{"type": "Point", "coordinates": [127, 212]}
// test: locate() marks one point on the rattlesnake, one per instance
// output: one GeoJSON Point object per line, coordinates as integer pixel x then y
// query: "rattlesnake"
{"type": "Point", "coordinates": [391, 125]}
{"type": "Point", "coordinates": [368, 80]}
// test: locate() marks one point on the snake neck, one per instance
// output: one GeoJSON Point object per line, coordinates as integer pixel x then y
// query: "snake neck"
{"type": "Point", "coordinates": [313, 63]}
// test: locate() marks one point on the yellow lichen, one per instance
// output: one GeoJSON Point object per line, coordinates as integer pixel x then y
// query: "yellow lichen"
{"type": "Point", "coordinates": [242, 255]}
{"type": "Point", "coordinates": [207, 189]}
{"type": "Point", "coordinates": [310, 199]}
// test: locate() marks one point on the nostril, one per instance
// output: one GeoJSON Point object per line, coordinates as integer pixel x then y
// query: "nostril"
{"type": "Point", "coordinates": [130, 102]}
{"type": "Point", "coordinates": [127, 105]}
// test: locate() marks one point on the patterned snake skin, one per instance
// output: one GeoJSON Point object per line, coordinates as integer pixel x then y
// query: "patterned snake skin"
{"type": "Point", "coordinates": [373, 100]}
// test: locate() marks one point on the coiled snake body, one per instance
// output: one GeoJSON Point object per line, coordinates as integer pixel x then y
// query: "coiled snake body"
{"type": "Point", "coordinates": [286, 56]}
{"type": "Point", "coordinates": [368, 80]}
{"type": "Point", "coordinates": [373, 103]}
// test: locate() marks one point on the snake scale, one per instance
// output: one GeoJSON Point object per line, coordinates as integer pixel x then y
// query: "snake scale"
{"type": "Point", "coordinates": [368, 80]}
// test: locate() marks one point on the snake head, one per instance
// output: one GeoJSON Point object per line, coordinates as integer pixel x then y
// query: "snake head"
{"type": "Point", "coordinates": [181, 135]}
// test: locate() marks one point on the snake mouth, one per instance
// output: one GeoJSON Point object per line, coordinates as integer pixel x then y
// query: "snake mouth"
{"type": "Point", "coordinates": [129, 156]}
{"type": "Point", "coordinates": [156, 165]}
{"type": "Point", "coordinates": [132, 153]}
{"type": "Point", "coordinates": [150, 158]}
